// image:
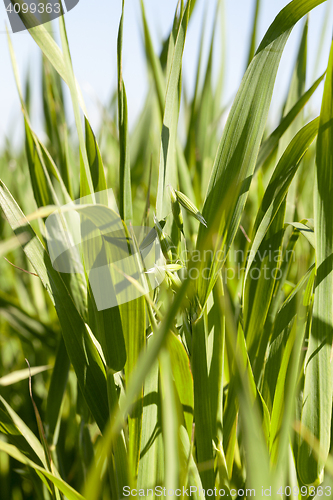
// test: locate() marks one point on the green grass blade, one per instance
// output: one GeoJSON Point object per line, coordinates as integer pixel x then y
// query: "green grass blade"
{"type": "Point", "coordinates": [151, 465]}
{"type": "Point", "coordinates": [40, 162]}
{"type": "Point", "coordinates": [202, 412]}
{"type": "Point", "coordinates": [133, 318]}
{"type": "Point", "coordinates": [159, 80]}
{"type": "Point", "coordinates": [49, 48]}
{"type": "Point", "coordinates": [296, 90]}
{"type": "Point", "coordinates": [167, 165]}
{"type": "Point", "coordinates": [190, 143]}
{"type": "Point", "coordinates": [125, 206]}
{"type": "Point", "coordinates": [170, 424]}
{"type": "Point", "coordinates": [153, 61]}
{"type": "Point", "coordinates": [254, 32]}
{"type": "Point", "coordinates": [216, 370]}
{"type": "Point", "coordinates": [317, 408]}
{"type": "Point", "coordinates": [40, 180]}
{"type": "Point", "coordinates": [57, 388]}
{"type": "Point", "coordinates": [95, 161]}
{"type": "Point", "coordinates": [181, 371]}
{"type": "Point", "coordinates": [305, 230]}
{"type": "Point", "coordinates": [19, 375]}
{"type": "Point", "coordinates": [204, 118]}
{"type": "Point", "coordinates": [55, 122]}
{"type": "Point", "coordinates": [86, 184]}
{"type": "Point", "coordinates": [324, 31]}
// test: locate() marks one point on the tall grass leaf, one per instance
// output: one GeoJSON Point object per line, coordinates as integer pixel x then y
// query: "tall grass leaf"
{"type": "Point", "coordinates": [40, 162]}
{"type": "Point", "coordinates": [280, 396]}
{"type": "Point", "coordinates": [205, 116]}
{"type": "Point", "coordinates": [95, 161]}
{"type": "Point", "coordinates": [220, 85]}
{"type": "Point", "coordinates": [125, 206]}
{"type": "Point", "coordinates": [49, 47]}
{"type": "Point", "coordinates": [54, 117]}
{"type": "Point", "coordinates": [154, 61]}
{"type": "Point", "coordinates": [287, 260]}
{"type": "Point", "coordinates": [52, 169]}
{"type": "Point", "coordinates": [254, 32]}
{"type": "Point", "coordinates": [86, 184]}
{"type": "Point", "coordinates": [170, 423]}
{"type": "Point", "coordinates": [193, 4]}
{"type": "Point", "coordinates": [184, 175]}
{"type": "Point", "coordinates": [151, 465]}
{"type": "Point", "coordinates": [167, 165]}
{"type": "Point", "coordinates": [317, 407]}
{"type": "Point", "coordinates": [304, 229]}
{"type": "Point", "coordinates": [190, 140]}
{"type": "Point", "coordinates": [232, 403]}
{"type": "Point", "coordinates": [57, 388]}
{"type": "Point", "coordinates": [133, 318]}
{"type": "Point", "coordinates": [41, 168]}
{"type": "Point", "coordinates": [108, 322]}
{"type": "Point", "coordinates": [216, 369]}
{"type": "Point", "coordinates": [191, 473]}
{"type": "Point", "coordinates": [19, 375]}
{"type": "Point", "coordinates": [237, 153]}
{"type": "Point", "coordinates": [324, 29]}
{"type": "Point", "coordinates": [41, 433]}
{"type": "Point", "coordinates": [202, 412]}
{"type": "Point", "coordinates": [120, 457]}
{"type": "Point", "coordinates": [296, 90]}
{"type": "Point", "coordinates": [39, 177]}
{"type": "Point", "coordinates": [182, 375]}
{"type": "Point", "coordinates": [159, 80]}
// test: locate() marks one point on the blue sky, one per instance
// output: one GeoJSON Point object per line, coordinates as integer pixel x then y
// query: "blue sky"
{"type": "Point", "coordinates": [92, 31]}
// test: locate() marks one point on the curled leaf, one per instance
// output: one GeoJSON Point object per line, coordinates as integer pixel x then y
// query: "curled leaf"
{"type": "Point", "coordinates": [190, 207]}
